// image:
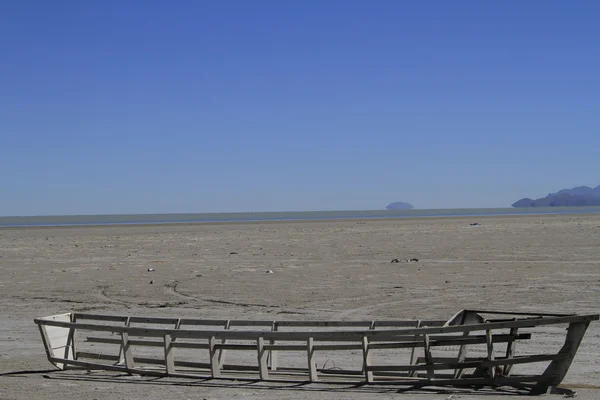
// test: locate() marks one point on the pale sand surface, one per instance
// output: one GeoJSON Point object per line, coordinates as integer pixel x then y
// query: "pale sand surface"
{"type": "Point", "coordinates": [326, 269]}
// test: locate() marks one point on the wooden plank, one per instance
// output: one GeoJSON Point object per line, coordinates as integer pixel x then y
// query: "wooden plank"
{"type": "Point", "coordinates": [90, 365]}
{"type": "Point", "coordinates": [202, 322]}
{"type": "Point", "coordinates": [490, 353]}
{"type": "Point", "coordinates": [479, 339]}
{"type": "Point", "coordinates": [72, 340]}
{"type": "Point", "coordinates": [367, 359]}
{"type": "Point", "coordinates": [558, 368]}
{"type": "Point", "coordinates": [510, 351]}
{"type": "Point", "coordinates": [118, 368]}
{"type": "Point", "coordinates": [325, 335]}
{"type": "Point", "coordinates": [127, 353]}
{"type": "Point", "coordinates": [428, 358]}
{"type": "Point", "coordinates": [262, 359]}
{"type": "Point", "coordinates": [438, 360]}
{"type": "Point", "coordinates": [153, 320]}
{"type": "Point", "coordinates": [97, 356]}
{"type": "Point", "coordinates": [235, 346]}
{"type": "Point", "coordinates": [312, 365]}
{"type": "Point", "coordinates": [122, 357]}
{"type": "Point", "coordinates": [250, 322]}
{"type": "Point", "coordinates": [177, 326]}
{"type": "Point", "coordinates": [463, 350]}
{"type": "Point", "coordinates": [512, 381]}
{"type": "Point", "coordinates": [469, 364]}
{"type": "Point", "coordinates": [323, 324]}
{"type": "Point", "coordinates": [455, 341]}
{"type": "Point", "coordinates": [515, 381]}
{"type": "Point", "coordinates": [214, 357]}
{"type": "Point", "coordinates": [223, 341]}
{"type": "Point", "coordinates": [169, 357]}
{"type": "Point", "coordinates": [46, 341]}
{"type": "Point", "coordinates": [273, 353]}
{"type": "Point", "coordinates": [413, 352]}
{"type": "Point", "coordinates": [535, 314]}
{"type": "Point", "coordinates": [338, 347]}
{"type": "Point", "coordinates": [146, 360]}
{"type": "Point", "coordinates": [285, 347]}
{"type": "Point", "coordinates": [99, 317]}
{"type": "Point", "coordinates": [148, 343]}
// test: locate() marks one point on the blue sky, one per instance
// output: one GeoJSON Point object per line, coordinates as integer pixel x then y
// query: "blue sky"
{"type": "Point", "coordinates": [205, 106]}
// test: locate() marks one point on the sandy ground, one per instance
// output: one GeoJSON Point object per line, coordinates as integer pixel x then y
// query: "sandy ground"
{"type": "Point", "coordinates": [322, 270]}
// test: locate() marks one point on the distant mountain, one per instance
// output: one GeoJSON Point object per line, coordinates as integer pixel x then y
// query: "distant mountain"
{"type": "Point", "coordinates": [580, 196]}
{"type": "Point", "coordinates": [399, 205]}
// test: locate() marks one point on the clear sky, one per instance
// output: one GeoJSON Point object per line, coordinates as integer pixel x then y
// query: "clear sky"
{"type": "Point", "coordinates": [216, 106]}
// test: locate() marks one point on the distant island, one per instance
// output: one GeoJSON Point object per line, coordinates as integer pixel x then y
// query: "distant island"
{"type": "Point", "coordinates": [581, 196]}
{"type": "Point", "coordinates": [399, 205]}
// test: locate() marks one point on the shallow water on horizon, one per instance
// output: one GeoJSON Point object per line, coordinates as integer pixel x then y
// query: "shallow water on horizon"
{"type": "Point", "coordinates": [133, 219]}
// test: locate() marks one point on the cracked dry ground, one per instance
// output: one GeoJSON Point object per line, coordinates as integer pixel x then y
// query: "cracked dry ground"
{"type": "Point", "coordinates": [321, 270]}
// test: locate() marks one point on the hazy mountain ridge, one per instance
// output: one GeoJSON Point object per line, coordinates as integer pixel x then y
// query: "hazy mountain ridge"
{"type": "Point", "coordinates": [399, 205]}
{"type": "Point", "coordinates": [580, 196]}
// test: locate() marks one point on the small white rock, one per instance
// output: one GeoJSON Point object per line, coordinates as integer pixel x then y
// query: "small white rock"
{"type": "Point", "coordinates": [150, 269]}
{"type": "Point", "coordinates": [269, 271]}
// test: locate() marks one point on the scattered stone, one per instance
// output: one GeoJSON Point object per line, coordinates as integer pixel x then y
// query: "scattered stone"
{"type": "Point", "coordinates": [269, 271]}
{"type": "Point", "coordinates": [412, 260]}
{"type": "Point", "coordinates": [150, 269]}
{"type": "Point", "coordinates": [447, 281]}
{"type": "Point", "coordinates": [233, 252]}
{"type": "Point", "coordinates": [395, 260]}
{"type": "Point", "coordinates": [151, 282]}
{"type": "Point", "coordinates": [475, 224]}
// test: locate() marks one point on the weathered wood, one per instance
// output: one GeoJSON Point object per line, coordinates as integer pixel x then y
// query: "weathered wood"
{"type": "Point", "coordinates": [375, 335]}
{"type": "Point", "coordinates": [285, 347]}
{"type": "Point", "coordinates": [428, 358]}
{"type": "Point", "coordinates": [202, 322]}
{"type": "Point", "coordinates": [98, 317]}
{"type": "Point", "coordinates": [127, 353]}
{"type": "Point", "coordinates": [510, 351]}
{"type": "Point", "coordinates": [235, 346]}
{"type": "Point", "coordinates": [533, 314]}
{"type": "Point", "coordinates": [252, 335]}
{"type": "Point", "coordinates": [148, 343]}
{"type": "Point", "coordinates": [558, 368]}
{"type": "Point", "coordinates": [214, 357]}
{"type": "Point", "coordinates": [46, 342]}
{"type": "Point", "coordinates": [468, 364]}
{"type": "Point", "coordinates": [262, 359]}
{"type": "Point", "coordinates": [221, 322]}
{"type": "Point", "coordinates": [338, 347]}
{"type": "Point", "coordinates": [312, 365]}
{"type": "Point", "coordinates": [169, 357]}
{"type": "Point", "coordinates": [153, 320]}
{"type": "Point", "coordinates": [273, 353]}
{"type": "Point", "coordinates": [336, 335]}
{"type": "Point", "coordinates": [121, 350]}
{"type": "Point", "coordinates": [72, 339]}
{"type": "Point", "coordinates": [413, 352]}
{"type": "Point", "coordinates": [490, 353]}
{"type": "Point", "coordinates": [462, 351]}
{"type": "Point", "coordinates": [177, 326]}
{"type": "Point", "coordinates": [451, 341]}
{"type": "Point", "coordinates": [323, 324]}
{"type": "Point", "coordinates": [223, 341]}
{"type": "Point", "coordinates": [367, 360]}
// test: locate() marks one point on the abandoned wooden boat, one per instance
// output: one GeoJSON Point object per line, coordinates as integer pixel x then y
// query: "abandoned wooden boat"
{"type": "Point", "coordinates": [473, 348]}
